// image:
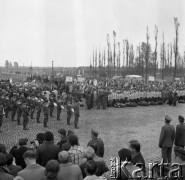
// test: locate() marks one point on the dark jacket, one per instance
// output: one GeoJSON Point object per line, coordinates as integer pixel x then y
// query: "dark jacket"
{"type": "Point", "coordinates": [62, 141]}
{"type": "Point", "coordinates": [5, 174]}
{"type": "Point", "coordinates": [167, 136]}
{"type": "Point", "coordinates": [180, 135]}
{"type": "Point", "coordinates": [139, 159]}
{"type": "Point", "coordinates": [100, 144]}
{"type": "Point", "coordinates": [14, 169]}
{"type": "Point", "coordinates": [17, 153]}
{"type": "Point", "coordinates": [47, 151]}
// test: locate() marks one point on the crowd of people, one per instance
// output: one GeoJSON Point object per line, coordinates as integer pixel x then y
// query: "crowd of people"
{"type": "Point", "coordinates": [44, 159]}
{"type": "Point", "coordinates": [24, 99]}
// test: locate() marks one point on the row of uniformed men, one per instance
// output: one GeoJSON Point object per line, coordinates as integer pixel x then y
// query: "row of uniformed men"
{"type": "Point", "coordinates": [25, 106]}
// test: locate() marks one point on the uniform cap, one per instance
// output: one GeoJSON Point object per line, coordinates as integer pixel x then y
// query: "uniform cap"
{"type": "Point", "coordinates": [62, 131]}
{"type": "Point", "coordinates": [23, 141]}
{"type": "Point", "coordinates": [94, 132]}
{"type": "Point", "coordinates": [168, 118]}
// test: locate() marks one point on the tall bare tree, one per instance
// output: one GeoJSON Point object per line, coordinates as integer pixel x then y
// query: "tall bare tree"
{"type": "Point", "coordinates": [155, 53]}
{"type": "Point", "coordinates": [147, 55]}
{"type": "Point", "coordinates": [114, 55]}
{"type": "Point", "coordinates": [127, 56]}
{"type": "Point", "coordinates": [108, 55]}
{"type": "Point", "coordinates": [177, 24]}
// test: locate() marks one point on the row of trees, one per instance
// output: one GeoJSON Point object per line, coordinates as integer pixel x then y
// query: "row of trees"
{"type": "Point", "coordinates": [142, 60]}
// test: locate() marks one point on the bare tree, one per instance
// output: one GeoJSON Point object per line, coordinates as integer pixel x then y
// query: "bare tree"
{"type": "Point", "coordinates": [147, 55]}
{"type": "Point", "coordinates": [177, 24]}
{"type": "Point", "coordinates": [155, 53]}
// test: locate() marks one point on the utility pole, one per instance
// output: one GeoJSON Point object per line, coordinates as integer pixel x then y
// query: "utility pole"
{"type": "Point", "coordinates": [52, 75]}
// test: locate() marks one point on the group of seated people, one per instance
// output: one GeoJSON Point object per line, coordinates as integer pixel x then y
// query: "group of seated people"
{"type": "Point", "coordinates": [67, 160]}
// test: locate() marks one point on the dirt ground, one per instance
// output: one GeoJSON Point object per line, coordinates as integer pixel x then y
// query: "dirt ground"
{"type": "Point", "coordinates": [116, 127]}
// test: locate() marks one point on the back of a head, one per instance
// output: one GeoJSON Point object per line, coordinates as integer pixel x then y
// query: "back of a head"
{"type": "Point", "coordinates": [18, 178]}
{"type": "Point", "coordinates": [91, 167]}
{"type": "Point", "coordinates": [64, 157]}
{"type": "Point", "coordinates": [89, 153]}
{"type": "Point", "coordinates": [125, 154]}
{"type": "Point", "coordinates": [30, 154]}
{"type": "Point", "coordinates": [52, 169]}
{"type": "Point", "coordinates": [134, 144]}
{"type": "Point", "coordinates": [95, 147]}
{"type": "Point", "coordinates": [48, 136]}
{"type": "Point", "coordinates": [73, 139]}
{"type": "Point", "coordinates": [40, 137]}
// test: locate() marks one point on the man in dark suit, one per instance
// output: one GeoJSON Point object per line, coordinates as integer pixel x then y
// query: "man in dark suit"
{"type": "Point", "coordinates": [17, 152]}
{"type": "Point", "coordinates": [166, 140]}
{"type": "Point", "coordinates": [98, 142]}
{"type": "Point", "coordinates": [47, 150]}
{"type": "Point", "coordinates": [180, 133]}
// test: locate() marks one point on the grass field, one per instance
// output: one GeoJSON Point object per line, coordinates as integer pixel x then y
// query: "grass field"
{"type": "Point", "coordinates": [116, 128]}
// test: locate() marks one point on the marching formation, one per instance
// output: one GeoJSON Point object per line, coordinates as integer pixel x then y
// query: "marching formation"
{"type": "Point", "coordinates": [28, 102]}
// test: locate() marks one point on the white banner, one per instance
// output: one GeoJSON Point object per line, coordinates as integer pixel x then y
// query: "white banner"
{"type": "Point", "coordinates": [69, 79]}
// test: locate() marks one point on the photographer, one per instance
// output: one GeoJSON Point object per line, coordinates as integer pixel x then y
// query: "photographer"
{"type": "Point", "coordinates": [39, 140]}
{"type": "Point", "coordinates": [18, 150]}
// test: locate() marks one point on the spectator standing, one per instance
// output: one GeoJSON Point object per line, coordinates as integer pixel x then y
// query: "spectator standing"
{"type": "Point", "coordinates": [32, 171]}
{"type": "Point", "coordinates": [166, 140]}
{"type": "Point", "coordinates": [180, 133]}
{"type": "Point", "coordinates": [76, 151]}
{"type": "Point", "coordinates": [68, 171]}
{"type": "Point", "coordinates": [98, 142]}
{"type": "Point", "coordinates": [47, 150]}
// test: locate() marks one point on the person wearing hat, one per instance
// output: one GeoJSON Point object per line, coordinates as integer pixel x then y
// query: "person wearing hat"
{"type": "Point", "coordinates": [19, 111]}
{"type": "Point", "coordinates": [64, 139]}
{"type": "Point", "coordinates": [180, 133]}
{"type": "Point", "coordinates": [46, 112]}
{"type": "Point", "coordinates": [51, 107]}
{"type": "Point", "coordinates": [13, 107]}
{"type": "Point", "coordinates": [25, 114]}
{"type": "Point", "coordinates": [76, 107]}
{"type": "Point", "coordinates": [69, 112]}
{"type": "Point", "coordinates": [38, 105]}
{"type": "Point", "coordinates": [59, 108]}
{"type": "Point", "coordinates": [4, 172]}
{"type": "Point", "coordinates": [67, 169]}
{"type": "Point", "coordinates": [98, 142]}
{"type": "Point", "coordinates": [18, 150]}
{"type": "Point", "coordinates": [166, 139]}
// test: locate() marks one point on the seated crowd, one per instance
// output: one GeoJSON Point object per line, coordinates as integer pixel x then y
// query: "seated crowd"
{"type": "Point", "coordinates": [67, 160]}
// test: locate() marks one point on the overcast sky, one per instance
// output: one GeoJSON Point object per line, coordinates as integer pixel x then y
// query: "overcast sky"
{"type": "Point", "coordinates": [65, 31]}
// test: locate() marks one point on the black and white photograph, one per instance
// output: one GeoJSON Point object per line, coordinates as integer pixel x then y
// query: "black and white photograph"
{"type": "Point", "coordinates": [92, 89]}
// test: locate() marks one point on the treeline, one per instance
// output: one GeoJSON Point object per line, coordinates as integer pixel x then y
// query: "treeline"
{"type": "Point", "coordinates": [142, 60]}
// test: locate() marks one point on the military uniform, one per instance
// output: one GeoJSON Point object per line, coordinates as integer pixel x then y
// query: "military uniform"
{"type": "Point", "coordinates": [69, 113]}
{"type": "Point", "coordinates": [25, 114]}
{"type": "Point", "coordinates": [59, 108]}
{"type": "Point", "coordinates": [19, 112]}
{"type": "Point", "coordinates": [13, 108]}
{"type": "Point", "coordinates": [88, 100]}
{"type": "Point", "coordinates": [38, 110]}
{"type": "Point", "coordinates": [32, 106]}
{"type": "Point", "coordinates": [51, 107]}
{"type": "Point", "coordinates": [76, 107]}
{"type": "Point", "coordinates": [1, 114]}
{"type": "Point", "coordinates": [6, 106]}
{"type": "Point", "coordinates": [46, 112]}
